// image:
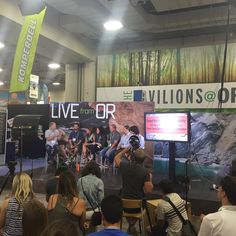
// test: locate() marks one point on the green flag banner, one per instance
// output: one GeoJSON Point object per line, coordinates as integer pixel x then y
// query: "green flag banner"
{"type": "Point", "coordinates": [25, 52]}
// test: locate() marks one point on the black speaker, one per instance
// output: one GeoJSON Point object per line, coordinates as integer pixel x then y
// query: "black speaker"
{"type": "Point", "coordinates": [31, 7]}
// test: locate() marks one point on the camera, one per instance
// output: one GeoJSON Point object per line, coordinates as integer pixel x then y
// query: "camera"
{"type": "Point", "coordinates": [134, 142]}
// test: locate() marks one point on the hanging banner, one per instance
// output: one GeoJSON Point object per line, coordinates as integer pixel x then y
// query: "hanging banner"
{"type": "Point", "coordinates": [25, 52]}
{"type": "Point", "coordinates": [34, 85]}
{"type": "Point", "coordinates": [178, 96]}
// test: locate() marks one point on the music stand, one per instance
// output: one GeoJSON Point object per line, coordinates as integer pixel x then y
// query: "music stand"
{"type": "Point", "coordinates": [25, 126]}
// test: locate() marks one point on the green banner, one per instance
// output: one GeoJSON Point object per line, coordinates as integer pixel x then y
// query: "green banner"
{"type": "Point", "coordinates": [25, 52]}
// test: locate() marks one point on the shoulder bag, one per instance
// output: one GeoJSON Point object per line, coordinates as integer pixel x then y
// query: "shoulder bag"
{"type": "Point", "coordinates": [187, 228]}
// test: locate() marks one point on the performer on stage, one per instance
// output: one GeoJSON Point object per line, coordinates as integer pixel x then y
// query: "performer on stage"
{"type": "Point", "coordinates": [76, 138]}
{"type": "Point", "coordinates": [52, 135]}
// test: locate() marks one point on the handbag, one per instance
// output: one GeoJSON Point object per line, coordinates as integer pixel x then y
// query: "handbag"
{"type": "Point", "coordinates": [96, 218]}
{"type": "Point", "coordinates": [187, 227]}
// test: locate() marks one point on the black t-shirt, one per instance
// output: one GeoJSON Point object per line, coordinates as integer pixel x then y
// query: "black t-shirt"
{"type": "Point", "coordinates": [51, 186]}
{"type": "Point", "coordinates": [133, 177]}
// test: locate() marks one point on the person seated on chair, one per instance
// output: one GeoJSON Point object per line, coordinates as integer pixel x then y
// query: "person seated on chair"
{"type": "Point", "coordinates": [76, 138]}
{"type": "Point", "coordinates": [51, 184]}
{"type": "Point", "coordinates": [62, 142]}
{"type": "Point", "coordinates": [67, 204]}
{"type": "Point", "coordinates": [136, 180]}
{"type": "Point", "coordinates": [134, 130]}
{"type": "Point", "coordinates": [89, 141]}
{"type": "Point", "coordinates": [108, 152]}
{"type": "Point", "coordinates": [223, 221]}
{"type": "Point", "coordinates": [124, 141]}
{"type": "Point", "coordinates": [100, 142]}
{"type": "Point", "coordinates": [91, 187]}
{"type": "Point", "coordinates": [166, 213]}
{"type": "Point", "coordinates": [52, 135]}
{"type": "Point", "coordinates": [112, 211]}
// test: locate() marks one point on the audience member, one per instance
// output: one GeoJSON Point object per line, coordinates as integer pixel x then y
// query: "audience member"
{"type": "Point", "coordinates": [135, 178]}
{"type": "Point", "coordinates": [61, 227]}
{"type": "Point", "coordinates": [135, 131]}
{"type": "Point", "coordinates": [108, 152]}
{"type": "Point", "coordinates": [76, 139]}
{"type": "Point", "coordinates": [112, 211]}
{"type": "Point", "coordinates": [51, 136]}
{"type": "Point", "coordinates": [12, 208]}
{"type": "Point", "coordinates": [35, 218]}
{"type": "Point", "coordinates": [222, 223]}
{"type": "Point", "coordinates": [66, 204]}
{"type": "Point", "coordinates": [124, 141]}
{"type": "Point", "coordinates": [91, 187]}
{"type": "Point", "coordinates": [51, 185]}
{"type": "Point", "coordinates": [166, 213]}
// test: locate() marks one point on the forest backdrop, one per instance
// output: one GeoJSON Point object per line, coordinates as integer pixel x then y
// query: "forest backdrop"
{"type": "Point", "coordinates": [166, 66]}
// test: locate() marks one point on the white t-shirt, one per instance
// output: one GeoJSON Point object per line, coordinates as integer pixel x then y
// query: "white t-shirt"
{"type": "Point", "coordinates": [221, 223]}
{"type": "Point", "coordinates": [49, 133]}
{"type": "Point", "coordinates": [142, 141]}
{"type": "Point", "coordinates": [166, 212]}
{"type": "Point", "coordinates": [124, 141]}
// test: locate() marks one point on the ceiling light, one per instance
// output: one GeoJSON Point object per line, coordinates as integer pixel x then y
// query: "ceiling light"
{"type": "Point", "coordinates": [1, 69]}
{"type": "Point", "coordinates": [54, 66]}
{"type": "Point", "coordinates": [2, 45]}
{"type": "Point", "coordinates": [113, 25]}
{"type": "Point", "coordinates": [1, 83]}
{"type": "Point", "coordinates": [56, 83]}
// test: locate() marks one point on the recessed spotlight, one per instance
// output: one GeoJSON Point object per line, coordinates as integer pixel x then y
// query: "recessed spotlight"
{"type": "Point", "coordinates": [1, 83]}
{"type": "Point", "coordinates": [56, 83]}
{"type": "Point", "coordinates": [1, 69]}
{"type": "Point", "coordinates": [54, 66]}
{"type": "Point", "coordinates": [113, 25]}
{"type": "Point", "coordinates": [2, 45]}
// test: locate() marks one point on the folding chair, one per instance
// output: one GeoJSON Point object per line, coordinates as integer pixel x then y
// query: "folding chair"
{"type": "Point", "coordinates": [131, 204]}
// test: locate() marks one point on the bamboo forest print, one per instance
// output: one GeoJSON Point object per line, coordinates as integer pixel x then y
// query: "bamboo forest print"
{"type": "Point", "coordinates": [166, 66]}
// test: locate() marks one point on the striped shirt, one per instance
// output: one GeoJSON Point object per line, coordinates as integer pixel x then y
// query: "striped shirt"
{"type": "Point", "coordinates": [13, 225]}
{"type": "Point", "coordinates": [166, 212]}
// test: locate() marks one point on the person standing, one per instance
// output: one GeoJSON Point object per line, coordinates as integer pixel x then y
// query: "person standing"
{"type": "Point", "coordinates": [52, 135]}
{"type": "Point", "coordinates": [136, 180]}
{"type": "Point", "coordinates": [222, 223]}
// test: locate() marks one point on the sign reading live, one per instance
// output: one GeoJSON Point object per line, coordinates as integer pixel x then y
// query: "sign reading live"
{"type": "Point", "coordinates": [25, 52]}
{"type": "Point", "coordinates": [182, 96]}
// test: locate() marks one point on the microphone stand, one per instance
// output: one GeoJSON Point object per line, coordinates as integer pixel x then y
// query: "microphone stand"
{"type": "Point", "coordinates": [187, 183]}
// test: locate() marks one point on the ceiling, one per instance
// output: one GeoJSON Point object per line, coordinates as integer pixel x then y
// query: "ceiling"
{"type": "Point", "coordinates": [143, 20]}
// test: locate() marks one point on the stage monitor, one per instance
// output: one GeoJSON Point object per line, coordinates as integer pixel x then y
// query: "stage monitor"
{"type": "Point", "coordinates": [173, 127]}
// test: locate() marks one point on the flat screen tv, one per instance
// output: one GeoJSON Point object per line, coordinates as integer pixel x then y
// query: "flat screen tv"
{"type": "Point", "coordinates": [172, 127]}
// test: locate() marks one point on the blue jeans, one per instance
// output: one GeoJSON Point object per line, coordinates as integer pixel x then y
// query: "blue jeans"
{"type": "Point", "coordinates": [108, 155]}
{"type": "Point", "coordinates": [52, 150]}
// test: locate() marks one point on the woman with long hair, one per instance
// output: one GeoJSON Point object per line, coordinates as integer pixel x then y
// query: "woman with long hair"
{"type": "Point", "coordinates": [91, 187]}
{"type": "Point", "coordinates": [12, 208]}
{"type": "Point", "coordinates": [67, 204]}
{"type": "Point", "coordinates": [35, 218]}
